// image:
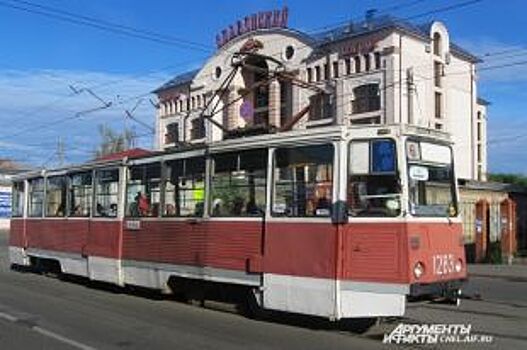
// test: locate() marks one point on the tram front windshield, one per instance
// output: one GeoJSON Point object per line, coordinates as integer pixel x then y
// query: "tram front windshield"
{"type": "Point", "coordinates": [431, 184]}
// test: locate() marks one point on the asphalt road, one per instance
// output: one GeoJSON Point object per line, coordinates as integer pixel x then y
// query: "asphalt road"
{"type": "Point", "coordinates": [42, 312]}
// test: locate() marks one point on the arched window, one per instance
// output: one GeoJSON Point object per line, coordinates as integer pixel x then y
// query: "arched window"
{"type": "Point", "coordinates": [367, 98]}
{"type": "Point", "coordinates": [437, 44]}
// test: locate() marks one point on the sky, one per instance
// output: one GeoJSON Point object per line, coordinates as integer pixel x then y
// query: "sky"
{"type": "Point", "coordinates": [56, 76]}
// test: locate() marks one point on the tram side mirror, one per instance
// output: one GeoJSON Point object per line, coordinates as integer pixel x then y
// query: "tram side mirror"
{"type": "Point", "coordinates": [339, 212]}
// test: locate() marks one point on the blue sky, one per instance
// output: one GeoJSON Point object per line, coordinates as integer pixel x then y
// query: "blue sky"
{"type": "Point", "coordinates": [42, 57]}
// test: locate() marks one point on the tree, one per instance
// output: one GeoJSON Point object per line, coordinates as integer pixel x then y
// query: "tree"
{"type": "Point", "coordinates": [515, 179]}
{"type": "Point", "coordinates": [112, 141]}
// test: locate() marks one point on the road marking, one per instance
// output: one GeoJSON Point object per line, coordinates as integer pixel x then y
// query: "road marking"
{"type": "Point", "coordinates": [8, 317]}
{"type": "Point", "coordinates": [62, 339]}
{"type": "Point", "coordinates": [48, 333]}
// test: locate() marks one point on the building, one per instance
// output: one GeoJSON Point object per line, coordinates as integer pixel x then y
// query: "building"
{"type": "Point", "coordinates": [379, 71]}
{"type": "Point", "coordinates": [7, 169]}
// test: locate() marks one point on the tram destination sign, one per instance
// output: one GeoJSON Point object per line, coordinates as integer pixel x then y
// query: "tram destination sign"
{"type": "Point", "coordinates": [260, 20]}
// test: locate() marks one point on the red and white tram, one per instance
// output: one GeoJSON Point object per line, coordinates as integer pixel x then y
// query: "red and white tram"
{"type": "Point", "coordinates": [336, 222]}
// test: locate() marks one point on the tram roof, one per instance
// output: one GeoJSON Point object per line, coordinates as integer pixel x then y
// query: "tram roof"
{"type": "Point", "coordinates": [286, 139]}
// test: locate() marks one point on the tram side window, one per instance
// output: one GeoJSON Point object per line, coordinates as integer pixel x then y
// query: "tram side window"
{"type": "Point", "coordinates": [36, 197]}
{"type": "Point", "coordinates": [81, 194]}
{"type": "Point", "coordinates": [17, 205]}
{"type": "Point", "coordinates": [185, 187]}
{"type": "Point", "coordinates": [303, 181]}
{"type": "Point", "coordinates": [373, 188]}
{"type": "Point", "coordinates": [142, 191]}
{"type": "Point", "coordinates": [238, 184]}
{"type": "Point", "coordinates": [56, 196]}
{"type": "Point", "coordinates": [106, 192]}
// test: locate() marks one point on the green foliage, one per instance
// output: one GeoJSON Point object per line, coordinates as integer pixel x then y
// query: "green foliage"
{"type": "Point", "coordinates": [515, 179]}
{"type": "Point", "coordinates": [113, 141]}
{"type": "Point", "coordinates": [494, 255]}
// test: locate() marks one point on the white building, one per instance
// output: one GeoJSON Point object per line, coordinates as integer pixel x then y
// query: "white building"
{"type": "Point", "coordinates": [379, 71]}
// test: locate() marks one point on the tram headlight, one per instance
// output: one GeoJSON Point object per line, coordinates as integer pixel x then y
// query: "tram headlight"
{"type": "Point", "coordinates": [419, 270]}
{"type": "Point", "coordinates": [458, 266]}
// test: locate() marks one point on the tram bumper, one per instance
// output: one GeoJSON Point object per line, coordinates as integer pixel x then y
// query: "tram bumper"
{"type": "Point", "coordinates": [448, 291]}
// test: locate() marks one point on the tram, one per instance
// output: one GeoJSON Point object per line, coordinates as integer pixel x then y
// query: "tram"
{"type": "Point", "coordinates": [339, 222]}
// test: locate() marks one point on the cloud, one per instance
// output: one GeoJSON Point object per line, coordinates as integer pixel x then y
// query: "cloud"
{"type": "Point", "coordinates": [37, 108]}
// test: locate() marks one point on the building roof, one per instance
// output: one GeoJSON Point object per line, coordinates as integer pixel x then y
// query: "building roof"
{"type": "Point", "coordinates": [178, 80]}
{"type": "Point", "coordinates": [347, 31]}
{"type": "Point", "coordinates": [483, 102]}
{"type": "Point", "coordinates": [494, 186]}
{"type": "Point", "coordinates": [131, 153]}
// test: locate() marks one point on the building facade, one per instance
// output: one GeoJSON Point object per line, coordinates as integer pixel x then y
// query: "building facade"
{"type": "Point", "coordinates": [379, 71]}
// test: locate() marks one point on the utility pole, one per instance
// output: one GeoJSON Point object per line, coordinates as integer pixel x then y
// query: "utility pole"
{"type": "Point", "coordinates": [60, 151]}
{"type": "Point", "coordinates": [410, 92]}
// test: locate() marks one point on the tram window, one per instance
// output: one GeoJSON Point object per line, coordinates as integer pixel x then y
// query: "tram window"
{"type": "Point", "coordinates": [373, 188]}
{"type": "Point", "coordinates": [56, 196]}
{"type": "Point", "coordinates": [142, 190]}
{"type": "Point", "coordinates": [106, 192]}
{"type": "Point", "coordinates": [36, 197]}
{"type": "Point", "coordinates": [303, 181]}
{"type": "Point", "coordinates": [238, 184]}
{"type": "Point", "coordinates": [431, 184]}
{"type": "Point", "coordinates": [81, 194]}
{"type": "Point", "coordinates": [185, 188]}
{"type": "Point", "coordinates": [17, 205]}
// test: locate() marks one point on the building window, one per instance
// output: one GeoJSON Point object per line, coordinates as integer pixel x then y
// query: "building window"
{"type": "Point", "coordinates": [180, 105]}
{"type": "Point", "coordinates": [142, 191]}
{"type": "Point", "coordinates": [367, 62]}
{"type": "Point", "coordinates": [367, 98]}
{"type": "Point", "coordinates": [320, 107]}
{"type": "Point", "coordinates": [198, 101]}
{"type": "Point", "coordinates": [36, 197]}
{"type": "Point", "coordinates": [357, 64]}
{"type": "Point", "coordinates": [438, 126]}
{"type": "Point", "coordinates": [336, 69]}
{"type": "Point", "coordinates": [81, 194]}
{"type": "Point", "coordinates": [198, 129]}
{"type": "Point", "coordinates": [289, 52]}
{"type": "Point", "coordinates": [303, 181]}
{"type": "Point", "coordinates": [317, 73]}
{"type": "Point", "coordinates": [310, 75]}
{"type": "Point", "coordinates": [438, 73]}
{"type": "Point", "coordinates": [185, 187]}
{"type": "Point", "coordinates": [480, 157]}
{"type": "Point", "coordinates": [106, 192]}
{"type": "Point", "coordinates": [193, 102]}
{"type": "Point", "coordinates": [437, 44]}
{"type": "Point", "coordinates": [238, 184]}
{"type": "Point", "coordinates": [326, 71]}
{"type": "Point", "coordinates": [172, 133]}
{"type": "Point", "coordinates": [377, 56]}
{"type": "Point", "coordinates": [217, 72]}
{"type": "Point", "coordinates": [438, 107]}
{"type": "Point", "coordinates": [479, 133]}
{"type": "Point", "coordinates": [347, 62]}
{"type": "Point", "coordinates": [56, 196]}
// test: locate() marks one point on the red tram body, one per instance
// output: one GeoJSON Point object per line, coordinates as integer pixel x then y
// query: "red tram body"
{"type": "Point", "coordinates": [376, 244]}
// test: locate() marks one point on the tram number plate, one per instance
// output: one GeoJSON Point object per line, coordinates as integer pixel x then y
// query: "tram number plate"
{"type": "Point", "coordinates": [443, 264]}
{"type": "Point", "coordinates": [133, 224]}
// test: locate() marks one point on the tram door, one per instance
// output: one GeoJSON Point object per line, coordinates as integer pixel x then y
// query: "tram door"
{"type": "Point", "coordinates": [299, 248]}
{"type": "Point", "coordinates": [237, 207]}
{"type": "Point", "coordinates": [103, 246]}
